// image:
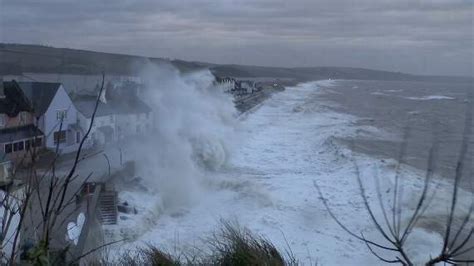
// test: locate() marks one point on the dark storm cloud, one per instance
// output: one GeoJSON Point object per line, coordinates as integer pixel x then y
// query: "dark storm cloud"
{"type": "Point", "coordinates": [431, 37]}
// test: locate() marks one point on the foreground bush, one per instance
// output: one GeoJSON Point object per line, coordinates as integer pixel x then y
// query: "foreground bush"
{"type": "Point", "coordinates": [147, 256]}
{"type": "Point", "coordinates": [234, 245]}
{"type": "Point", "coordinates": [231, 245]}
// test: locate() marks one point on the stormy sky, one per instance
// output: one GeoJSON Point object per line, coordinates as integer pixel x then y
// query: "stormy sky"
{"type": "Point", "coordinates": [415, 36]}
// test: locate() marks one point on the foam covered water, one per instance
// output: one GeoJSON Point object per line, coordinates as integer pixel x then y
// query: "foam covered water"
{"type": "Point", "coordinates": [266, 184]}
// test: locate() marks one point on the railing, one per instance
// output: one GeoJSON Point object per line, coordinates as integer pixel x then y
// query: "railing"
{"type": "Point", "coordinates": [92, 200]}
{"type": "Point", "coordinates": [100, 201]}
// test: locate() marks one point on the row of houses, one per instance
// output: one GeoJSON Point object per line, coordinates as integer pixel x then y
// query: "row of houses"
{"type": "Point", "coordinates": [43, 115]}
{"type": "Point", "coordinates": [238, 88]}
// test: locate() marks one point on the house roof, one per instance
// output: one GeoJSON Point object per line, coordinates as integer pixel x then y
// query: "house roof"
{"type": "Point", "coordinates": [85, 105]}
{"type": "Point", "coordinates": [18, 133]}
{"type": "Point", "coordinates": [14, 100]}
{"type": "Point", "coordinates": [40, 94]}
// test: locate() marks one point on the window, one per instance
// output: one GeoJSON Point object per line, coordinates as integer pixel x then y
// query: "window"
{"type": "Point", "coordinates": [61, 115]}
{"type": "Point", "coordinates": [8, 148]}
{"type": "Point", "coordinates": [21, 145]}
{"type": "Point", "coordinates": [59, 136]}
{"type": "Point", "coordinates": [18, 146]}
{"type": "Point", "coordinates": [27, 145]}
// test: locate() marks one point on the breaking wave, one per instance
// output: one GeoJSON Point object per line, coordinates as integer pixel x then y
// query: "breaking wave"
{"type": "Point", "coordinates": [195, 128]}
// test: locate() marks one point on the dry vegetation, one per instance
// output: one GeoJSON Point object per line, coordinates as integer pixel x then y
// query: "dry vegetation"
{"type": "Point", "coordinates": [231, 245]}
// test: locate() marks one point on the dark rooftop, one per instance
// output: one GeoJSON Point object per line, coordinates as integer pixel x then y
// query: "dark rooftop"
{"type": "Point", "coordinates": [40, 94]}
{"type": "Point", "coordinates": [19, 133]}
{"type": "Point", "coordinates": [14, 100]}
{"type": "Point", "coordinates": [85, 105]}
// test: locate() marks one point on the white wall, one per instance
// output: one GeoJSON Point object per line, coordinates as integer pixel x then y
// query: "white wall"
{"type": "Point", "coordinates": [96, 136]}
{"type": "Point", "coordinates": [61, 101]}
{"type": "Point", "coordinates": [134, 124]}
{"type": "Point", "coordinates": [124, 125]}
{"type": "Point", "coordinates": [84, 125]}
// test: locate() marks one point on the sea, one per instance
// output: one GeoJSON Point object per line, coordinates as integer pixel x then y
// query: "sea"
{"type": "Point", "coordinates": [423, 113]}
{"type": "Point", "coordinates": [317, 134]}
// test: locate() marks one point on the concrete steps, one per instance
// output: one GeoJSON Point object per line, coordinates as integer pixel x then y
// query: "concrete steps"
{"type": "Point", "coordinates": [108, 207]}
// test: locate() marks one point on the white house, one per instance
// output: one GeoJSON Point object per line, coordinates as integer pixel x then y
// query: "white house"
{"type": "Point", "coordinates": [138, 122]}
{"type": "Point", "coordinates": [115, 119]}
{"type": "Point", "coordinates": [56, 115]}
{"type": "Point", "coordinates": [104, 127]}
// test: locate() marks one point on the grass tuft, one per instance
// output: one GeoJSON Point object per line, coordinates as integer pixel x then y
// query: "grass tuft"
{"type": "Point", "coordinates": [235, 245]}
{"type": "Point", "coordinates": [231, 245]}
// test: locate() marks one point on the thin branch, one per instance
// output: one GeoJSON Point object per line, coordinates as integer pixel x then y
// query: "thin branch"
{"type": "Point", "coordinates": [428, 176]}
{"type": "Point", "coordinates": [459, 172]}
{"type": "Point", "coordinates": [382, 205]}
{"type": "Point", "coordinates": [73, 262]}
{"type": "Point", "coordinates": [396, 202]}
{"type": "Point", "coordinates": [377, 255]}
{"type": "Point", "coordinates": [463, 243]}
{"type": "Point", "coordinates": [367, 206]}
{"type": "Point", "coordinates": [78, 153]}
{"type": "Point", "coordinates": [333, 216]}
{"type": "Point", "coordinates": [463, 225]}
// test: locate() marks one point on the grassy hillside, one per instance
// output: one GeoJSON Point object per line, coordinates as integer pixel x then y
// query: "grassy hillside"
{"type": "Point", "coordinates": [18, 58]}
{"type": "Point", "coordinates": [316, 73]}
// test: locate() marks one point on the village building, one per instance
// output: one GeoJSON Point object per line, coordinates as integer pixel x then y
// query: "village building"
{"type": "Point", "coordinates": [247, 87]}
{"type": "Point", "coordinates": [225, 84]}
{"type": "Point", "coordinates": [103, 130]}
{"type": "Point", "coordinates": [119, 115]}
{"type": "Point", "coordinates": [18, 133]}
{"type": "Point", "coordinates": [56, 115]}
{"type": "Point", "coordinates": [73, 82]}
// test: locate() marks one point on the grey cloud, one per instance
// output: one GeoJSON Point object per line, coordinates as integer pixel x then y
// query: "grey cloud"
{"type": "Point", "coordinates": [428, 37]}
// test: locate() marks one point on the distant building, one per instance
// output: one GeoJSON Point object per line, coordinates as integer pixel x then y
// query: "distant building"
{"type": "Point", "coordinates": [225, 84]}
{"type": "Point", "coordinates": [18, 132]}
{"type": "Point", "coordinates": [247, 86]}
{"type": "Point", "coordinates": [55, 113]}
{"type": "Point", "coordinates": [73, 82]}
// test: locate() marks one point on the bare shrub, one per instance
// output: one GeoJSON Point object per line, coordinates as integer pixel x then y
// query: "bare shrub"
{"type": "Point", "coordinates": [395, 232]}
{"type": "Point", "coordinates": [43, 204]}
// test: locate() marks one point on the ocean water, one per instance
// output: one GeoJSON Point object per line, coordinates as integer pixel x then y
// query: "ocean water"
{"type": "Point", "coordinates": [431, 112]}
{"type": "Point", "coordinates": [297, 138]}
